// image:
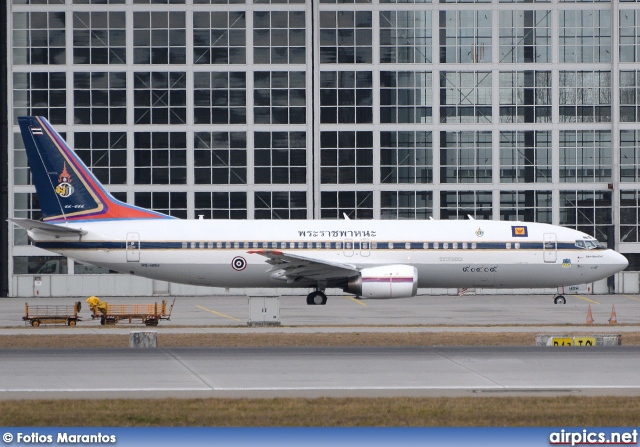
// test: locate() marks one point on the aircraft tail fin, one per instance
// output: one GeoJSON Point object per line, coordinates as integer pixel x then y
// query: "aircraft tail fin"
{"type": "Point", "coordinates": [66, 189]}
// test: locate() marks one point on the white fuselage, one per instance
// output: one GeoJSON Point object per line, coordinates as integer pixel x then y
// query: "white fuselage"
{"type": "Point", "coordinates": [469, 253]}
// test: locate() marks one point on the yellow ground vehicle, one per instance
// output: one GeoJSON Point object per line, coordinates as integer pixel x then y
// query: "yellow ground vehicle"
{"type": "Point", "coordinates": [149, 314]}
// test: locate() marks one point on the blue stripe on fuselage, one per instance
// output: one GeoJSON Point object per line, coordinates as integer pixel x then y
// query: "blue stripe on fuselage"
{"type": "Point", "coordinates": [237, 245]}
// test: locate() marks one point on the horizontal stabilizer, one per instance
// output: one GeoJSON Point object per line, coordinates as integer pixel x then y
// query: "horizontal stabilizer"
{"type": "Point", "coordinates": [43, 227]}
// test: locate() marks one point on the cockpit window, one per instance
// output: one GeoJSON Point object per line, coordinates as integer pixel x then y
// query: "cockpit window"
{"type": "Point", "coordinates": [589, 244]}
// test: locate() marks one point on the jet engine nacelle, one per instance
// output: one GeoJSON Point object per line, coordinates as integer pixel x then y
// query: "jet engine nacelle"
{"type": "Point", "coordinates": [387, 281]}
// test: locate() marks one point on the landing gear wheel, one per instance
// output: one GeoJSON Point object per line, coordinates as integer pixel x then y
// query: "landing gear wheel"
{"type": "Point", "coordinates": [560, 300]}
{"type": "Point", "coordinates": [316, 298]}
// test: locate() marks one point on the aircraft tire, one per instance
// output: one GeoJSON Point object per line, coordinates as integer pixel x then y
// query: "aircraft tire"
{"type": "Point", "coordinates": [560, 300]}
{"type": "Point", "coordinates": [316, 298]}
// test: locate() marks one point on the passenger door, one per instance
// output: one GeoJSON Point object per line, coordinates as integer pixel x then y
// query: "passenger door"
{"type": "Point", "coordinates": [133, 247]}
{"type": "Point", "coordinates": [550, 247]}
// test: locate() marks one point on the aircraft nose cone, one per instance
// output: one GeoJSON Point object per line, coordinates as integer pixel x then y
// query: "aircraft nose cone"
{"type": "Point", "coordinates": [624, 262]}
{"type": "Point", "coordinates": [617, 261]}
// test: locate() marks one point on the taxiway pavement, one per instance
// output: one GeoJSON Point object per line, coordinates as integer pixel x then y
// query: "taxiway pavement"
{"type": "Point", "coordinates": [319, 371]}
{"type": "Point", "coordinates": [221, 312]}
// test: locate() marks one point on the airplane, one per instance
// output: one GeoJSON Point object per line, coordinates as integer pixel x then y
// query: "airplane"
{"type": "Point", "coordinates": [367, 258]}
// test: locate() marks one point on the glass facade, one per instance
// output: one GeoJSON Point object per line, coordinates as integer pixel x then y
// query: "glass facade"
{"type": "Point", "coordinates": [386, 109]}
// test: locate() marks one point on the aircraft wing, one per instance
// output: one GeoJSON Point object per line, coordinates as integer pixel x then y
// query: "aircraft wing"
{"type": "Point", "coordinates": [47, 228]}
{"type": "Point", "coordinates": [295, 267]}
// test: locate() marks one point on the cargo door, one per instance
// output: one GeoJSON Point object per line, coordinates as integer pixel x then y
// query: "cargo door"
{"type": "Point", "coordinates": [133, 247]}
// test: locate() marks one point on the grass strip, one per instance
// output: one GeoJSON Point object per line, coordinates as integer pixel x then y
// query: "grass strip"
{"type": "Point", "coordinates": [290, 340]}
{"type": "Point", "coordinates": [327, 412]}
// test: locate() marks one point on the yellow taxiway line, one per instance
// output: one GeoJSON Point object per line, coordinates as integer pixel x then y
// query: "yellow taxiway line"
{"type": "Point", "coordinates": [631, 297]}
{"type": "Point", "coordinates": [356, 300]}
{"type": "Point", "coordinates": [218, 313]}
{"type": "Point", "coordinates": [586, 299]}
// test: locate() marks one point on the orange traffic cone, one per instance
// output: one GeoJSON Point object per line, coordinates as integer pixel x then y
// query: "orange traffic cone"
{"type": "Point", "coordinates": [589, 315]}
{"type": "Point", "coordinates": [614, 317]}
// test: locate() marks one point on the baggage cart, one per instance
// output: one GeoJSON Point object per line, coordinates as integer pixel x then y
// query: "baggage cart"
{"type": "Point", "coordinates": [149, 314]}
{"type": "Point", "coordinates": [39, 314]}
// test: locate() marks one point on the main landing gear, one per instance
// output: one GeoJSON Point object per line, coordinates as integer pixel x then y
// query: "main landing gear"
{"type": "Point", "coordinates": [560, 300]}
{"type": "Point", "coordinates": [316, 298]}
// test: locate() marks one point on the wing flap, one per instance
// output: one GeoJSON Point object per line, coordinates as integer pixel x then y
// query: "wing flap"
{"type": "Point", "coordinates": [295, 266]}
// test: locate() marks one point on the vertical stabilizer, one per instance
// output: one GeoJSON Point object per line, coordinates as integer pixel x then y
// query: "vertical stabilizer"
{"type": "Point", "coordinates": [66, 189]}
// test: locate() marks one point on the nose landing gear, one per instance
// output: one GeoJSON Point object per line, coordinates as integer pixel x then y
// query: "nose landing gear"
{"type": "Point", "coordinates": [560, 300]}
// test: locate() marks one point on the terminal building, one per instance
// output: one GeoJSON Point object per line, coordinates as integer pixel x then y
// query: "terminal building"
{"type": "Point", "coordinates": [286, 109]}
